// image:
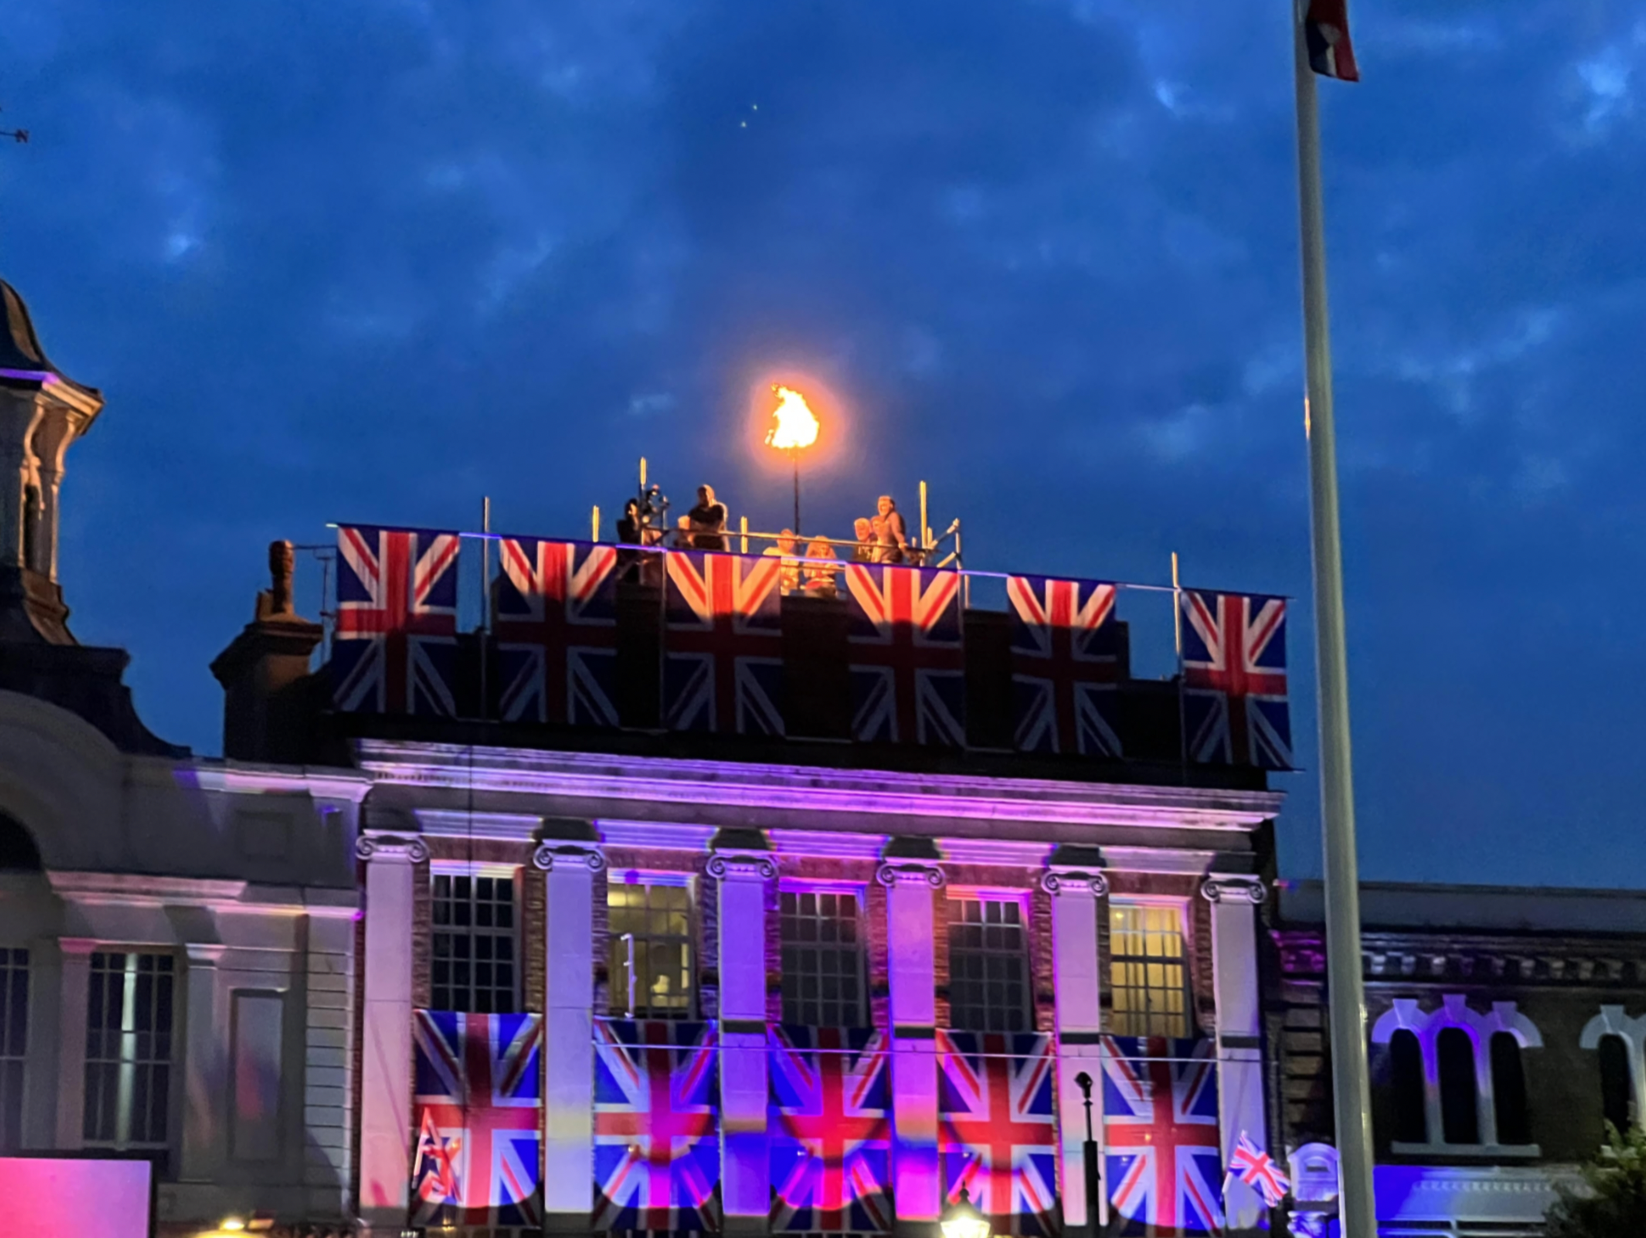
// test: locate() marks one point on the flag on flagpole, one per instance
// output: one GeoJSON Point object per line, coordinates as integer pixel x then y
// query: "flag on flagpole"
{"type": "Point", "coordinates": [1257, 1169]}
{"type": "Point", "coordinates": [1326, 31]}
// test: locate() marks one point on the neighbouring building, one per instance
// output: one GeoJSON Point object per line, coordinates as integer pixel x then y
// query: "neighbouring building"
{"type": "Point", "coordinates": [1505, 1029]}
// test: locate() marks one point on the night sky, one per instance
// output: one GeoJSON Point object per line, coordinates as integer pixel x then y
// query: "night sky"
{"type": "Point", "coordinates": [372, 261]}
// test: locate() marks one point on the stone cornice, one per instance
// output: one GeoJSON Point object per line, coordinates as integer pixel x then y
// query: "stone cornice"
{"type": "Point", "coordinates": [456, 822]}
{"type": "Point", "coordinates": [390, 847]}
{"type": "Point", "coordinates": [568, 855]}
{"type": "Point", "coordinates": [665, 781]}
{"type": "Point", "coordinates": [321, 782]}
{"type": "Point", "coordinates": [144, 888]}
{"type": "Point", "coordinates": [910, 872]}
{"type": "Point", "coordinates": [1402, 959]}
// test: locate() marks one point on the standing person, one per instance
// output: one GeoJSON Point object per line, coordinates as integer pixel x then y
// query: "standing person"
{"type": "Point", "coordinates": [789, 573]}
{"type": "Point", "coordinates": [863, 532]}
{"type": "Point", "coordinates": [820, 579]}
{"type": "Point", "coordinates": [628, 524]}
{"type": "Point", "coordinates": [890, 532]}
{"type": "Point", "coordinates": [707, 521]}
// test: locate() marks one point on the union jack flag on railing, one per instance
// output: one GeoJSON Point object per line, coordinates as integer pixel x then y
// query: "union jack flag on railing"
{"type": "Point", "coordinates": [1234, 680]}
{"type": "Point", "coordinates": [395, 647]}
{"type": "Point", "coordinates": [830, 1130]}
{"type": "Point", "coordinates": [907, 657]}
{"type": "Point", "coordinates": [556, 627]}
{"type": "Point", "coordinates": [656, 1127]}
{"type": "Point", "coordinates": [479, 1092]}
{"type": "Point", "coordinates": [1065, 665]}
{"type": "Point", "coordinates": [722, 644]}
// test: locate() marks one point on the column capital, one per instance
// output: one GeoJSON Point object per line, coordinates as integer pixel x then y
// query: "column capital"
{"type": "Point", "coordinates": [1218, 888]}
{"type": "Point", "coordinates": [77, 945]}
{"type": "Point", "coordinates": [911, 873]}
{"type": "Point", "coordinates": [1075, 881]}
{"type": "Point", "coordinates": [204, 953]}
{"type": "Point", "coordinates": [742, 865]}
{"type": "Point", "coordinates": [568, 856]}
{"type": "Point", "coordinates": [391, 847]}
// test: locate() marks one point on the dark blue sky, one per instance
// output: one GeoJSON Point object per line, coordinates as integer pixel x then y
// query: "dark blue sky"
{"type": "Point", "coordinates": [373, 261]}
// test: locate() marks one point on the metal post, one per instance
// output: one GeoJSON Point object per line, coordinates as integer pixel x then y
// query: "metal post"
{"type": "Point", "coordinates": [628, 941]}
{"type": "Point", "coordinates": [594, 523]}
{"type": "Point", "coordinates": [743, 529]}
{"type": "Point", "coordinates": [925, 533]}
{"type": "Point", "coordinates": [1094, 1180]}
{"type": "Point", "coordinates": [1350, 1088]}
{"type": "Point", "coordinates": [485, 599]}
{"type": "Point", "coordinates": [796, 452]}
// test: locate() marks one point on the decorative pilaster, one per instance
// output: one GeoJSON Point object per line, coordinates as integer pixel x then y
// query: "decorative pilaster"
{"type": "Point", "coordinates": [568, 1032]}
{"type": "Point", "coordinates": [386, 1030]}
{"type": "Point", "coordinates": [909, 940]}
{"type": "Point", "coordinates": [74, 993]}
{"type": "Point", "coordinates": [745, 1157]}
{"type": "Point", "coordinates": [1234, 901]}
{"type": "Point", "coordinates": [204, 1093]}
{"type": "Point", "coordinates": [1078, 981]}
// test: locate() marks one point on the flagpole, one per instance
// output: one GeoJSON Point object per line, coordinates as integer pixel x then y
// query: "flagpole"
{"type": "Point", "coordinates": [1350, 1087]}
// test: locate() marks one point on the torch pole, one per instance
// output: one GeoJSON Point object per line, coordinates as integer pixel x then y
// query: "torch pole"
{"type": "Point", "coordinates": [1351, 1092]}
{"type": "Point", "coordinates": [795, 451]}
{"type": "Point", "coordinates": [1094, 1180]}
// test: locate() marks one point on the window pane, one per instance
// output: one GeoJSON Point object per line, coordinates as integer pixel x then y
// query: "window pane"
{"type": "Point", "coordinates": [1459, 1098]}
{"type": "Point", "coordinates": [658, 918]}
{"type": "Point", "coordinates": [988, 965]}
{"type": "Point", "coordinates": [128, 1050]}
{"type": "Point", "coordinates": [473, 919]}
{"type": "Point", "coordinates": [1147, 976]}
{"type": "Point", "coordinates": [822, 959]}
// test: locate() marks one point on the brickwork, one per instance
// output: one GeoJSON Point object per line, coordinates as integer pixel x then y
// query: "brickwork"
{"type": "Point", "coordinates": [533, 887]}
{"type": "Point", "coordinates": [1042, 976]}
{"type": "Point", "coordinates": [601, 928]}
{"type": "Point", "coordinates": [940, 955]}
{"type": "Point", "coordinates": [422, 937]}
{"type": "Point", "coordinates": [880, 988]}
{"type": "Point", "coordinates": [774, 945]}
{"type": "Point", "coordinates": [1199, 945]}
{"type": "Point", "coordinates": [708, 940]}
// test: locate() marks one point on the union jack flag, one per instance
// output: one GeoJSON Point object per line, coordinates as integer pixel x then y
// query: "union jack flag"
{"type": "Point", "coordinates": [997, 1127]}
{"type": "Point", "coordinates": [830, 1131]}
{"type": "Point", "coordinates": [1065, 663]}
{"type": "Point", "coordinates": [1234, 680]}
{"type": "Point", "coordinates": [1160, 1134]}
{"type": "Point", "coordinates": [722, 644]}
{"type": "Point", "coordinates": [908, 661]}
{"type": "Point", "coordinates": [1257, 1169]}
{"type": "Point", "coordinates": [479, 1091]}
{"type": "Point", "coordinates": [557, 631]}
{"type": "Point", "coordinates": [395, 647]}
{"type": "Point", "coordinates": [656, 1136]}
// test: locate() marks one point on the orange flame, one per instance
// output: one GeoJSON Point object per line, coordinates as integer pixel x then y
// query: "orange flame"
{"type": "Point", "coordinates": [793, 422]}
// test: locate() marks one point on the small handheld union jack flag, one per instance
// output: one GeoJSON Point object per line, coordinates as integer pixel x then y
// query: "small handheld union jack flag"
{"type": "Point", "coordinates": [1258, 1169]}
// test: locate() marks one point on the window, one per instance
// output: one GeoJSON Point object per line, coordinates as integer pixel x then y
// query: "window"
{"type": "Point", "coordinates": [650, 924]}
{"type": "Point", "coordinates": [1514, 1122]}
{"type": "Point", "coordinates": [1459, 1099]}
{"type": "Point", "coordinates": [474, 948]}
{"type": "Point", "coordinates": [128, 1052]}
{"type": "Point", "coordinates": [14, 1039]}
{"type": "Point", "coordinates": [822, 959]}
{"type": "Point", "coordinates": [988, 965]}
{"type": "Point", "coordinates": [1406, 1071]}
{"type": "Point", "coordinates": [1148, 981]}
{"type": "Point", "coordinates": [1617, 1098]}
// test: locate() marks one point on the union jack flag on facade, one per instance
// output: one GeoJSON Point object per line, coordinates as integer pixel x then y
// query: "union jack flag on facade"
{"type": "Point", "coordinates": [656, 1127]}
{"type": "Point", "coordinates": [908, 660]}
{"type": "Point", "coordinates": [1234, 680]}
{"type": "Point", "coordinates": [1163, 1165]}
{"type": "Point", "coordinates": [722, 644]}
{"type": "Point", "coordinates": [479, 1095]}
{"type": "Point", "coordinates": [830, 1130]}
{"type": "Point", "coordinates": [556, 628]}
{"type": "Point", "coordinates": [1065, 665]}
{"type": "Point", "coordinates": [997, 1127]}
{"type": "Point", "coordinates": [395, 647]}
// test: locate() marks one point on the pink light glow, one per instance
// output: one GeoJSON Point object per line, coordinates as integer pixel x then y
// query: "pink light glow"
{"type": "Point", "coordinates": [86, 1197]}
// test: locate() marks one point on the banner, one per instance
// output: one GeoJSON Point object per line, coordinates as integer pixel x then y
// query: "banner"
{"type": "Point", "coordinates": [395, 647]}
{"type": "Point", "coordinates": [556, 629]}
{"type": "Point", "coordinates": [656, 1127]}
{"type": "Point", "coordinates": [1163, 1167]}
{"type": "Point", "coordinates": [1234, 680]}
{"type": "Point", "coordinates": [478, 1094]}
{"type": "Point", "coordinates": [830, 1129]}
{"type": "Point", "coordinates": [907, 655]}
{"type": "Point", "coordinates": [722, 644]}
{"type": "Point", "coordinates": [1065, 665]}
{"type": "Point", "coordinates": [997, 1128]}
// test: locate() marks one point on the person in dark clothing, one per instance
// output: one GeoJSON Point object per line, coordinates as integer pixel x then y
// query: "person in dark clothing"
{"type": "Point", "coordinates": [891, 532]}
{"type": "Point", "coordinates": [628, 524]}
{"type": "Point", "coordinates": [707, 521]}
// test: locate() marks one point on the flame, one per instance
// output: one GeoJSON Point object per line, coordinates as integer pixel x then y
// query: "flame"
{"type": "Point", "coordinates": [793, 422]}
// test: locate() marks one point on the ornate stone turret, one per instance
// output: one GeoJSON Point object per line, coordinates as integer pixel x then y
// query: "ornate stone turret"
{"type": "Point", "coordinates": [42, 411]}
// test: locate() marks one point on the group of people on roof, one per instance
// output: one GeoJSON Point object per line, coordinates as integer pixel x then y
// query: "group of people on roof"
{"type": "Point", "coordinates": [880, 538]}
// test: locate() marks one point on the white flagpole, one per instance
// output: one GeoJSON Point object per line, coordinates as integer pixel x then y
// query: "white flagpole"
{"type": "Point", "coordinates": [1351, 1091]}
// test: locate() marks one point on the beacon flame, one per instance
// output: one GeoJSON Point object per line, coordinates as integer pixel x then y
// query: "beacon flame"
{"type": "Point", "coordinates": [793, 422]}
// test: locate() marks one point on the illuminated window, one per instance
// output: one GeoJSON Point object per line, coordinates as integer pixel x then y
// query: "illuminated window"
{"type": "Point", "coordinates": [988, 965]}
{"type": "Point", "coordinates": [128, 1053]}
{"type": "Point", "coordinates": [474, 968]}
{"type": "Point", "coordinates": [650, 924]}
{"type": "Point", "coordinates": [1148, 979]}
{"type": "Point", "coordinates": [14, 1038]}
{"type": "Point", "coordinates": [822, 959]}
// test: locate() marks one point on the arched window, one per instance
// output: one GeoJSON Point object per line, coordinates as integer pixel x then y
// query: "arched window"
{"type": "Point", "coordinates": [1616, 1086]}
{"type": "Point", "coordinates": [1459, 1098]}
{"type": "Point", "coordinates": [1406, 1083]}
{"type": "Point", "coordinates": [17, 849]}
{"type": "Point", "coordinates": [1514, 1123]}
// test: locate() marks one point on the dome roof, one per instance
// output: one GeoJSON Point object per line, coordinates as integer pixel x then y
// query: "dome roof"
{"type": "Point", "coordinates": [21, 357]}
